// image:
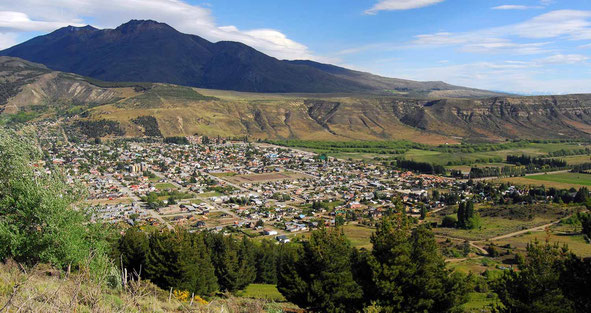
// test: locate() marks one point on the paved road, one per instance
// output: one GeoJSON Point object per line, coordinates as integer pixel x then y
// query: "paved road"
{"type": "Point", "coordinates": [227, 182]}
{"type": "Point", "coordinates": [135, 198]}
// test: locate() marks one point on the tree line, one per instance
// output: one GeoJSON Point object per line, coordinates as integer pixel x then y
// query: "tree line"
{"type": "Point", "coordinates": [537, 161]}
{"type": "Point", "coordinates": [203, 263]}
{"type": "Point", "coordinates": [421, 167]}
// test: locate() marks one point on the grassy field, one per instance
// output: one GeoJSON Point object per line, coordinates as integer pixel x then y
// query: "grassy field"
{"type": "Point", "coordinates": [261, 291]}
{"type": "Point", "coordinates": [492, 227]}
{"type": "Point", "coordinates": [532, 149]}
{"type": "Point", "coordinates": [209, 194]}
{"type": "Point", "coordinates": [479, 302]}
{"type": "Point", "coordinates": [224, 174]}
{"type": "Point", "coordinates": [477, 265]}
{"type": "Point", "coordinates": [164, 186]}
{"type": "Point", "coordinates": [576, 159]}
{"type": "Point", "coordinates": [559, 234]}
{"type": "Point", "coordinates": [566, 178]}
{"type": "Point", "coordinates": [560, 180]}
{"type": "Point", "coordinates": [502, 220]}
{"type": "Point", "coordinates": [358, 235]}
{"type": "Point", "coordinates": [438, 155]}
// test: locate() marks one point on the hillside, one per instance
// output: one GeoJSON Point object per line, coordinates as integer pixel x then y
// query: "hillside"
{"type": "Point", "coordinates": [162, 109]}
{"type": "Point", "coordinates": [155, 52]}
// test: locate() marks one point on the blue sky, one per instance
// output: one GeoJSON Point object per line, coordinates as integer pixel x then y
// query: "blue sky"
{"type": "Point", "coordinates": [523, 46]}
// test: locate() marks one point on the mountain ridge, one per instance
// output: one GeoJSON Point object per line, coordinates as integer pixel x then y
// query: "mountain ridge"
{"type": "Point", "coordinates": [146, 50]}
{"type": "Point", "coordinates": [175, 110]}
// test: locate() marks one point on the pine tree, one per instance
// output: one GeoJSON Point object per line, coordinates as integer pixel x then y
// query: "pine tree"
{"type": "Point", "coordinates": [161, 260]}
{"type": "Point", "coordinates": [432, 287]}
{"type": "Point", "coordinates": [266, 263]}
{"type": "Point", "coordinates": [423, 212]}
{"type": "Point", "coordinates": [180, 260]}
{"type": "Point", "coordinates": [132, 249]}
{"type": "Point", "coordinates": [321, 278]}
{"type": "Point", "coordinates": [233, 261]}
{"type": "Point", "coordinates": [198, 274]}
{"type": "Point", "coordinates": [391, 260]}
{"type": "Point", "coordinates": [409, 273]}
{"type": "Point", "coordinates": [289, 282]}
{"type": "Point", "coordinates": [536, 287]}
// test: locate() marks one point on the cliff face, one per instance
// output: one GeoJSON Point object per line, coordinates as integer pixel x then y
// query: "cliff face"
{"type": "Point", "coordinates": [487, 119]}
{"type": "Point", "coordinates": [515, 117]}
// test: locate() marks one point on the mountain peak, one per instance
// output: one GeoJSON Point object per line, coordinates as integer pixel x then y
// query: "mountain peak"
{"type": "Point", "coordinates": [75, 29]}
{"type": "Point", "coordinates": [147, 50]}
{"type": "Point", "coordinates": [142, 25]}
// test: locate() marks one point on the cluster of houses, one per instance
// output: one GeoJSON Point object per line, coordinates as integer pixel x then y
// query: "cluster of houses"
{"type": "Point", "coordinates": [199, 176]}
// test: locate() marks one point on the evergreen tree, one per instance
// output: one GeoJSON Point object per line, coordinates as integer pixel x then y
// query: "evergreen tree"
{"type": "Point", "coordinates": [362, 273]}
{"type": "Point", "coordinates": [585, 219]}
{"type": "Point", "coordinates": [582, 195]}
{"type": "Point", "coordinates": [180, 260]}
{"type": "Point", "coordinates": [289, 282]}
{"type": "Point", "coordinates": [233, 261]}
{"type": "Point", "coordinates": [132, 249]}
{"type": "Point", "coordinates": [195, 263]}
{"type": "Point", "coordinates": [321, 278]}
{"type": "Point", "coordinates": [423, 212]}
{"type": "Point", "coordinates": [266, 263]}
{"type": "Point", "coordinates": [575, 282]}
{"type": "Point", "coordinates": [391, 260]}
{"type": "Point", "coordinates": [536, 287]}
{"type": "Point", "coordinates": [409, 273]}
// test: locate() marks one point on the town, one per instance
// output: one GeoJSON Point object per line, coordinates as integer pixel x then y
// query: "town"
{"type": "Point", "coordinates": [255, 188]}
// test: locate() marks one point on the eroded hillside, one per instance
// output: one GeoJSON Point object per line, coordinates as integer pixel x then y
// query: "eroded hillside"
{"type": "Point", "coordinates": [169, 110]}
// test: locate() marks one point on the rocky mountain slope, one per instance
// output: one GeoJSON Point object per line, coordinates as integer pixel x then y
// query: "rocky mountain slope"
{"type": "Point", "coordinates": [172, 110]}
{"type": "Point", "coordinates": [155, 52]}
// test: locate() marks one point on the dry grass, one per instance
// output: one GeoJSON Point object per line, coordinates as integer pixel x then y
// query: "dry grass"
{"type": "Point", "coordinates": [43, 289]}
{"type": "Point", "coordinates": [561, 181]}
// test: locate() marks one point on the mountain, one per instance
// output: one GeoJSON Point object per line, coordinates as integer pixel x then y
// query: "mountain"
{"type": "Point", "coordinates": [139, 109]}
{"type": "Point", "coordinates": [27, 86]}
{"type": "Point", "coordinates": [145, 50]}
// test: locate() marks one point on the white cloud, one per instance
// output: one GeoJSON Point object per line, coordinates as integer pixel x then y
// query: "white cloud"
{"type": "Point", "coordinates": [497, 45]}
{"type": "Point", "coordinates": [18, 21]}
{"type": "Point", "coordinates": [515, 7]}
{"type": "Point", "coordinates": [560, 24]}
{"type": "Point", "coordinates": [396, 5]}
{"type": "Point", "coordinates": [40, 15]}
{"type": "Point", "coordinates": [571, 23]}
{"type": "Point", "coordinates": [509, 76]}
{"type": "Point", "coordinates": [479, 43]}
{"type": "Point", "coordinates": [563, 59]}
